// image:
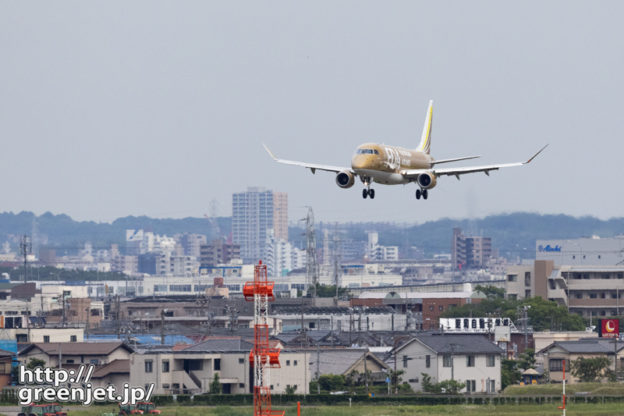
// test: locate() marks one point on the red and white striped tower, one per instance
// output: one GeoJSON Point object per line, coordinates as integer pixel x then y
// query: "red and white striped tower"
{"type": "Point", "coordinates": [262, 357]}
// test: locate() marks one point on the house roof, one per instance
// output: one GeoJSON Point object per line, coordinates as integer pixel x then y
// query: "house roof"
{"type": "Point", "coordinates": [584, 346]}
{"type": "Point", "coordinates": [456, 344]}
{"type": "Point", "coordinates": [226, 344]}
{"type": "Point", "coordinates": [114, 367]}
{"type": "Point", "coordinates": [340, 361]}
{"type": "Point", "coordinates": [5, 353]}
{"type": "Point", "coordinates": [76, 348]}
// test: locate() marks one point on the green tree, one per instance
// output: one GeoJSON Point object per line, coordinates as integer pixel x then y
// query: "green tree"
{"type": "Point", "coordinates": [332, 382]}
{"type": "Point", "coordinates": [589, 369]}
{"type": "Point", "coordinates": [395, 377]}
{"type": "Point", "coordinates": [215, 385]}
{"type": "Point", "coordinates": [291, 389]}
{"type": "Point", "coordinates": [491, 292]}
{"type": "Point", "coordinates": [451, 386]}
{"type": "Point", "coordinates": [329, 291]}
{"type": "Point", "coordinates": [428, 386]}
{"type": "Point", "coordinates": [526, 360]}
{"type": "Point", "coordinates": [34, 363]}
{"type": "Point", "coordinates": [509, 373]}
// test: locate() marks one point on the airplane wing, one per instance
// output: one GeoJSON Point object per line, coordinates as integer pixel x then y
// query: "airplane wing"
{"type": "Point", "coordinates": [413, 173]}
{"type": "Point", "coordinates": [312, 166]}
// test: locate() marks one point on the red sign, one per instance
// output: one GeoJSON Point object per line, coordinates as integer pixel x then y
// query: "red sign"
{"type": "Point", "coordinates": [610, 328]}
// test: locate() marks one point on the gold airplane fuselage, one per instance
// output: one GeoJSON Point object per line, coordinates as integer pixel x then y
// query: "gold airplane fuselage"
{"type": "Point", "coordinates": [382, 164]}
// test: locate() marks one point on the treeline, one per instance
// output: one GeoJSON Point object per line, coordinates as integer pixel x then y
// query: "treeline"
{"type": "Point", "coordinates": [542, 314]}
{"type": "Point", "coordinates": [48, 273]}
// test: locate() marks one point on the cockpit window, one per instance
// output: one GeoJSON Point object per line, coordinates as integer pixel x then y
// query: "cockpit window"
{"type": "Point", "coordinates": [367, 152]}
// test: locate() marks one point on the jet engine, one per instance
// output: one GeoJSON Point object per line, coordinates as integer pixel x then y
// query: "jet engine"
{"type": "Point", "coordinates": [345, 179]}
{"type": "Point", "coordinates": [427, 180]}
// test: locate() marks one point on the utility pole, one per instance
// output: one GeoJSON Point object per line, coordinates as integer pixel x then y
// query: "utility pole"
{"type": "Point", "coordinates": [25, 251]}
{"type": "Point", "coordinates": [162, 327]}
{"type": "Point", "coordinates": [452, 362]}
{"type": "Point", "coordinates": [311, 264]}
{"type": "Point", "coordinates": [366, 370]}
{"type": "Point", "coordinates": [318, 369]}
{"type": "Point", "coordinates": [337, 259]}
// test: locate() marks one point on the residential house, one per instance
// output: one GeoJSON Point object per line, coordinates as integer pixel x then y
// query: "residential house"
{"type": "Point", "coordinates": [191, 369]}
{"type": "Point", "coordinates": [469, 359]}
{"type": "Point", "coordinates": [6, 359]}
{"type": "Point", "coordinates": [349, 362]}
{"type": "Point", "coordinates": [554, 355]}
{"type": "Point", "coordinates": [70, 354]}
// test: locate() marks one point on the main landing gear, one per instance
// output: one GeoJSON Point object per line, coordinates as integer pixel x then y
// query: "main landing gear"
{"type": "Point", "coordinates": [422, 193]}
{"type": "Point", "coordinates": [368, 191]}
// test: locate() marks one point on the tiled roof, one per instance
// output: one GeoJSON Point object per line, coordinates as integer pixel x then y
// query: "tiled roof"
{"type": "Point", "coordinates": [75, 348]}
{"type": "Point", "coordinates": [458, 344]}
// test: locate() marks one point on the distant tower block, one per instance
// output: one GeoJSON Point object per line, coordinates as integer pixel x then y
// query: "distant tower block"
{"type": "Point", "coordinates": [262, 357]}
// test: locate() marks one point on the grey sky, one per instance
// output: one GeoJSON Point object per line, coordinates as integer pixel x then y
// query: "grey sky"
{"type": "Point", "coordinates": [146, 107]}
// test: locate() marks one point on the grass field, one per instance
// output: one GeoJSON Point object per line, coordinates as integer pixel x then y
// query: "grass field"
{"type": "Point", "coordinates": [608, 409]}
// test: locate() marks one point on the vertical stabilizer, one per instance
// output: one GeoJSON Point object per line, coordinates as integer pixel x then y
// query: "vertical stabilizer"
{"type": "Point", "coordinates": [425, 140]}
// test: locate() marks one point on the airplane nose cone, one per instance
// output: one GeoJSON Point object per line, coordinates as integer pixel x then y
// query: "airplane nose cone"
{"type": "Point", "coordinates": [359, 161]}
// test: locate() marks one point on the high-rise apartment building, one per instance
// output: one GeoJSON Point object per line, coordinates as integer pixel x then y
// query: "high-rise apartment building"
{"type": "Point", "coordinates": [254, 213]}
{"type": "Point", "coordinates": [469, 252]}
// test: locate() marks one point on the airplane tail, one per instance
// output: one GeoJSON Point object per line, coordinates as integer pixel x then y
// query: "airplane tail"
{"type": "Point", "coordinates": [425, 140]}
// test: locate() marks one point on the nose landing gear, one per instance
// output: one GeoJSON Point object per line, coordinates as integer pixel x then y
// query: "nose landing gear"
{"type": "Point", "coordinates": [368, 191]}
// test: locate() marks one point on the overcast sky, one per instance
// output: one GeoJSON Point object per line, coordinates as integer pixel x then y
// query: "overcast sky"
{"type": "Point", "coordinates": [110, 109]}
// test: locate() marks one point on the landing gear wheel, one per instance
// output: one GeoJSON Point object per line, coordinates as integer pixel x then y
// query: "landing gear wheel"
{"type": "Point", "coordinates": [425, 194]}
{"type": "Point", "coordinates": [418, 193]}
{"type": "Point", "coordinates": [371, 193]}
{"type": "Point", "coordinates": [364, 193]}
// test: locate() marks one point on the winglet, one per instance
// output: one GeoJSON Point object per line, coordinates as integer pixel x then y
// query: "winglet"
{"type": "Point", "coordinates": [271, 153]}
{"type": "Point", "coordinates": [535, 155]}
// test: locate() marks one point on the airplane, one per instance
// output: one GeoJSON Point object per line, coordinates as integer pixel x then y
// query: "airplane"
{"type": "Point", "coordinates": [393, 165]}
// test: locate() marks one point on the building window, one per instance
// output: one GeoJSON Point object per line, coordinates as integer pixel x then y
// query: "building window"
{"type": "Point", "coordinates": [441, 308]}
{"type": "Point", "coordinates": [165, 366]}
{"type": "Point", "coordinates": [217, 364]}
{"type": "Point", "coordinates": [446, 360]}
{"type": "Point", "coordinates": [527, 293]}
{"type": "Point", "coordinates": [241, 361]}
{"type": "Point", "coordinates": [148, 366]}
{"type": "Point", "coordinates": [428, 361]}
{"type": "Point", "coordinates": [491, 360]}
{"type": "Point", "coordinates": [527, 279]}
{"type": "Point", "coordinates": [431, 308]}
{"type": "Point", "coordinates": [287, 362]}
{"type": "Point", "coordinates": [512, 278]}
{"type": "Point", "coordinates": [46, 338]}
{"type": "Point", "coordinates": [593, 296]}
{"type": "Point", "coordinates": [405, 361]}
{"type": "Point", "coordinates": [470, 361]}
{"type": "Point", "coordinates": [555, 364]}
{"type": "Point", "coordinates": [165, 386]}
{"type": "Point", "coordinates": [294, 362]}
{"type": "Point", "coordinates": [73, 338]}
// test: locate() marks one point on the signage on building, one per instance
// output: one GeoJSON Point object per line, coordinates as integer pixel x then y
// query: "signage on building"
{"type": "Point", "coordinates": [610, 328]}
{"type": "Point", "coordinates": [549, 249]}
